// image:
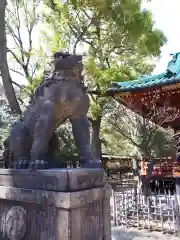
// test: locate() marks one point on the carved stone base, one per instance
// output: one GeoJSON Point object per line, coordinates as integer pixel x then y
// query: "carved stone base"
{"type": "Point", "coordinates": [56, 205]}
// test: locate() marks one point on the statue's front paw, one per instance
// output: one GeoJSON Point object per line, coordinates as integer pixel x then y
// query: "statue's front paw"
{"type": "Point", "coordinates": [38, 164]}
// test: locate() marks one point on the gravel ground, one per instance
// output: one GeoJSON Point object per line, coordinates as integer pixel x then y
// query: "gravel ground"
{"type": "Point", "coordinates": [119, 233]}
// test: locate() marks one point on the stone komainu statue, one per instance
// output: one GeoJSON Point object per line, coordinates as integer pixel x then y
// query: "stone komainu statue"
{"type": "Point", "coordinates": [60, 96]}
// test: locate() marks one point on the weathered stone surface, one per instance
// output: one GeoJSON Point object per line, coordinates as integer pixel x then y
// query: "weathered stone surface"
{"type": "Point", "coordinates": [85, 178]}
{"type": "Point", "coordinates": [57, 199]}
{"type": "Point", "coordinates": [39, 214]}
{"type": "Point", "coordinates": [41, 220]}
{"type": "Point", "coordinates": [106, 219]}
{"type": "Point", "coordinates": [62, 180]}
{"type": "Point", "coordinates": [16, 224]}
{"type": "Point", "coordinates": [89, 221]}
{"type": "Point", "coordinates": [60, 96]}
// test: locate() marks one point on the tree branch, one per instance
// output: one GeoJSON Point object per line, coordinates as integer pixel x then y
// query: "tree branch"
{"type": "Point", "coordinates": [15, 57]}
{"type": "Point", "coordinates": [124, 135]}
{"type": "Point", "coordinates": [30, 18]}
{"type": "Point", "coordinates": [15, 71]}
{"type": "Point", "coordinates": [160, 114]}
{"type": "Point", "coordinates": [114, 123]}
{"type": "Point", "coordinates": [17, 84]}
{"type": "Point", "coordinates": [18, 28]}
{"type": "Point", "coordinates": [79, 36]}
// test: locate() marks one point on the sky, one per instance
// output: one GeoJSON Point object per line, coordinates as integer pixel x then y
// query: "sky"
{"type": "Point", "coordinates": [167, 17]}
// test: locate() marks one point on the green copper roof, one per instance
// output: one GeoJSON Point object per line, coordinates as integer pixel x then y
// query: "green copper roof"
{"type": "Point", "coordinates": [170, 76]}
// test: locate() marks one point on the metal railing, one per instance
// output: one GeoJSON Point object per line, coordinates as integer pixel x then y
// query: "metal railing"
{"type": "Point", "coordinates": [155, 212]}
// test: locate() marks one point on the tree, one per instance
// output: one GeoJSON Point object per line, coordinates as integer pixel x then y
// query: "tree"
{"type": "Point", "coordinates": [27, 58]}
{"type": "Point", "coordinates": [113, 34]}
{"type": "Point", "coordinates": [146, 136]}
{"type": "Point", "coordinates": [113, 142]}
{"type": "Point", "coordinates": [6, 78]}
{"type": "Point", "coordinates": [6, 116]}
{"type": "Point", "coordinates": [67, 144]}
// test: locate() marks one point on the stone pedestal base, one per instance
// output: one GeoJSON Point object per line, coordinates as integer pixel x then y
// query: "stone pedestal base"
{"type": "Point", "coordinates": [54, 205]}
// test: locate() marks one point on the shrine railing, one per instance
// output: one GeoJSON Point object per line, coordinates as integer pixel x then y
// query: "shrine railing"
{"type": "Point", "coordinates": [156, 212]}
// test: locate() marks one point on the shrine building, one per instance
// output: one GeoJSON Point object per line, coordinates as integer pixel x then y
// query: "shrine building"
{"type": "Point", "coordinates": [156, 97]}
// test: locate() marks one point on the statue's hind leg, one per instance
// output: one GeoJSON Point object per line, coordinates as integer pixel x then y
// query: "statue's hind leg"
{"type": "Point", "coordinates": [42, 134]}
{"type": "Point", "coordinates": [81, 133]}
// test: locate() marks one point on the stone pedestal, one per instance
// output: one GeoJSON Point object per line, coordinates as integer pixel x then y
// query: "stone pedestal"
{"type": "Point", "coordinates": [60, 204]}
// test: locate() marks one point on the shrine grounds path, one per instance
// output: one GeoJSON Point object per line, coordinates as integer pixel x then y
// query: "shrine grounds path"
{"type": "Point", "coordinates": [119, 233]}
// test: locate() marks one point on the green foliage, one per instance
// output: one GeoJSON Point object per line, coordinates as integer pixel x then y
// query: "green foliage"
{"type": "Point", "coordinates": [160, 144]}
{"type": "Point", "coordinates": [28, 90]}
{"type": "Point", "coordinates": [118, 40]}
{"type": "Point", "coordinates": [55, 32]}
{"type": "Point", "coordinates": [6, 119]}
{"type": "Point", "coordinates": [137, 133]}
{"type": "Point", "coordinates": [67, 145]}
{"type": "Point", "coordinates": [26, 57]}
{"type": "Point", "coordinates": [113, 142]}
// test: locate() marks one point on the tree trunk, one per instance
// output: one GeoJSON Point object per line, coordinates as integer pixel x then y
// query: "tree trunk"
{"type": "Point", "coordinates": [95, 139]}
{"type": "Point", "coordinates": [6, 78]}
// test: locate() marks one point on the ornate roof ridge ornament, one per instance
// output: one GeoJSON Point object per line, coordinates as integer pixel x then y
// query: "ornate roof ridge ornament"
{"type": "Point", "coordinates": [173, 67]}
